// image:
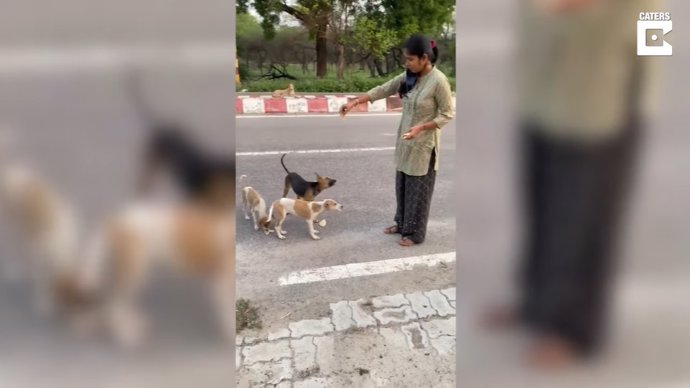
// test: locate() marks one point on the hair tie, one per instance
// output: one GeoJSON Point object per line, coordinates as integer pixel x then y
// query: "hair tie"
{"type": "Point", "coordinates": [433, 44]}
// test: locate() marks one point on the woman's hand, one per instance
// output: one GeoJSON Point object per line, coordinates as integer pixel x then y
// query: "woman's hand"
{"type": "Point", "coordinates": [413, 132]}
{"type": "Point", "coordinates": [347, 107]}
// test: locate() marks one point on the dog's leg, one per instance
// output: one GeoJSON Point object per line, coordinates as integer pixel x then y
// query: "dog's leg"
{"type": "Point", "coordinates": [44, 303]}
{"type": "Point", "coordinates": [256, 222]}
{"type": "Point", "coordinates": [246, 210]}
{"type": "Point", "coordinates": [127, 323]}
{"type": "Point", "coordinates": [312, 231]}
{"type": "Point", "coordinates": [279, 228]}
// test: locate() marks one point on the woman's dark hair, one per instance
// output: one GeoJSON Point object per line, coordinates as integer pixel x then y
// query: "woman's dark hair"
{"type": "Point", "coordinates": [417, 45]}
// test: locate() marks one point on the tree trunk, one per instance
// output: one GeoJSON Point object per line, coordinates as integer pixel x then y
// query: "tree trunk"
{"type": "Point", "coordinates": [322, 49]}
{"type": "Point", "coordinates": [341, 61]}
{"type": "Point", "coordinates": [372, 68]}
{"type": "Point", "coordinates": [379, 68]}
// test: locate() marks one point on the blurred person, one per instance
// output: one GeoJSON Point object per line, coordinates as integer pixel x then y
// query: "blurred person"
{"type": "Point", "coordinates": [427, 107]}
{"type": "Point", "coordinates": [583, 101]}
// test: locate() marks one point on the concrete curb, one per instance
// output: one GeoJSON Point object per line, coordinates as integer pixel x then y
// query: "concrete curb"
{"type": "Point", "coordinates": [266, 104]}
{"type": "Point", "coordinates": [422, 322]}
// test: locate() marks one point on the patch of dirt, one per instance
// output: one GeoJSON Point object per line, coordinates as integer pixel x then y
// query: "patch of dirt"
{"type": "Point", "coordinates": [247, 316]}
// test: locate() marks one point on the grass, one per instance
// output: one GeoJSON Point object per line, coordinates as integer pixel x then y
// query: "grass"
{"type": "Point", "coordinates": [246, 316]}
{"type": "Point", "coordinates": [354, 81]}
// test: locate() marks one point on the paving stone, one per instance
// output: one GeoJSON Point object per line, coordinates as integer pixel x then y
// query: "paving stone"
{"type": "Point", "coordinates": [453, 304]}
{"type": "Point", "coordinates": [444, 345]}
{"type": "Point", "coordinates": [325, 354]}
{"type": "Point", "coordinates": [440, 303]}
{"type": "Point", "coordinates": [279, 334]}
{"type": "Point", "coordinates": [304, 352]}
{"type": "Point", "coordinates": [416, 337]}
{"type": "Point", "coordinates": [315, 327]}
{"type": "Point", "coordinates": [421, 305]}
{"type": "Point", "coordinates": [394, 315]}
{"type": "Point", "coordinates": [440, 327]}
{"type": "Point", "coordinates": [262, 374]}
{"type": "Point", "coordinates": [394, 337]}
{"type": "Point", "coordinates": [314, 382]}
{"type": "Point", "coordinates": [396, 300]}
{"type": "Point", "coordinates": [341, 313]}
{"type": "Point", "coordinates": [266, 351]}
{"type": "Point", "coordinates": [361, 317]}
{"type": "Point", "coordinates": [284, 384]}
{"type": "Point", "coordinates": [251, 340]}
{"type": "Point", "coordinates": [284, 372]}
{"type": "Point", "coordinates": [238, 340]}
{"type": "Point", "coordinates": [449, 293]}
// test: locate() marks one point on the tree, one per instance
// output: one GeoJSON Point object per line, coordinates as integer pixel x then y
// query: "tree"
{"type": "Point", "coordinates": [341, 19]}
{"type": "Point", "coordinates": [373, 41]}
{"type": "Point", "coordinates": [248, 31]}
{"type": "Point", "coordinates": [315, 15]}
{"type": "Point", "coordinates": [242, 6]}
{"type": "Point", "coordinates": [408, 17]}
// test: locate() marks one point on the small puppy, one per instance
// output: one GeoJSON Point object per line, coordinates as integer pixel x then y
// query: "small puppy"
{"type": "Point", "coordinates": [49, 225]}
{"type": "Point", "coordinates": [254, 203]}
{"type": "Point", "coordinates": [133, 244]}
{"type": "Point", "coordinates": [289, 92]}
{"type": "Point", "coordinates": [304, 189]}
{"type": "Point", "coordinates": [304, 209]}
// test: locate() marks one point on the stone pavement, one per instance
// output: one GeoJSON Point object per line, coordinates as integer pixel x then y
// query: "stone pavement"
{"type": "Point", "coordinates": [402, 340]}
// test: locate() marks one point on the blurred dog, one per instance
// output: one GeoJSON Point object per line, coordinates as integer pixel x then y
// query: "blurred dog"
{"type": "Point", "coordinates": [130, 245]}
{"type": "Point", "coordinates": [202, 177]}
{"type": "Point", "coordinates": [49, 225]}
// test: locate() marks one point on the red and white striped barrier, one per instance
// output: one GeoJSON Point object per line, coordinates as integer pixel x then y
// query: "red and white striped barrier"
{"type": "Point", "coordinates": [257, 104]}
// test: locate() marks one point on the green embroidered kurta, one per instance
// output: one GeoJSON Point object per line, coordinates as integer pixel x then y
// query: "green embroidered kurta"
{"type": "Point", "coordinates": [430, 100]}
{"type": "Point", "coordinates": [576, 70]}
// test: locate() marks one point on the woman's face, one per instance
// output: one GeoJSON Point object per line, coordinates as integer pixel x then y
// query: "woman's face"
{"type": "Point", "coordinates": [414, 63]}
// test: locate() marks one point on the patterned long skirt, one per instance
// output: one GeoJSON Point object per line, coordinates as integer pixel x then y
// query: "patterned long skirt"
{"type": "Point", "coordinates": [413, 195]}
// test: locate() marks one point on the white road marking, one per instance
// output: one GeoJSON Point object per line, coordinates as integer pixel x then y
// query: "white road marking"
{"type": "Point", "coordinates": [325, 151]}
{"type": "Point", "coordinates": [312, 115]}
{"type": "Point", "coordinates": [364, 269]}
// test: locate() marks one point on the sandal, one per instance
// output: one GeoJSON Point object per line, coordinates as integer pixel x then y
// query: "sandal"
{"type": "Point", "coordinates": [406, 242]}
{"type": "Point", "coordinates": [391, 230]}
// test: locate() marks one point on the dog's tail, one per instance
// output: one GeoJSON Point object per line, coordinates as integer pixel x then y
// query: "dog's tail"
{"type": "Point", "coordinates": [242, 177]}
{"type": "Point", "coordinates": [134, 90]}
{"type": "Point", "coordinates": [281, 162]}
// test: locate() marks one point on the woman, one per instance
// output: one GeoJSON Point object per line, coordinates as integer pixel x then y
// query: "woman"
{"type": "Point", "coordinates": [427, 107]}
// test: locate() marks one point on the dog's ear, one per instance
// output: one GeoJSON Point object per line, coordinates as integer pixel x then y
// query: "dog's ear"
{"type": "Point", "coordinates": [317, 175]}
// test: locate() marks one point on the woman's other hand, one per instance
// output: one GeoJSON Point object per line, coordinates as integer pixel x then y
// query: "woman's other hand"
{"type": "Point", "coordinates": [412, 133]}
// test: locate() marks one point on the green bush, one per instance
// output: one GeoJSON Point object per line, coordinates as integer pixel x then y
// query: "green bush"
{"type": "Point", "coordinates": [355, 84]}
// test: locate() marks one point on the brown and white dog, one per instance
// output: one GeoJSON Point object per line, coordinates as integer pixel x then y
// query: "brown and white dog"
{"type": "Point", "coordinates": [287, 92]}
{"type": "Point", "coordinates": [253, 202]}
{"type": "Point", "coordinates": [195, 239]}
{"type": "Point", "coordinates": [48, 224]}
{"type": "Point", "coordinates": [304, 209]}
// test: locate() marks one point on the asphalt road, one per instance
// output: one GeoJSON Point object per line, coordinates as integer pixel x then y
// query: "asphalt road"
{"type": "Point", "coordinates": [365, 186]}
